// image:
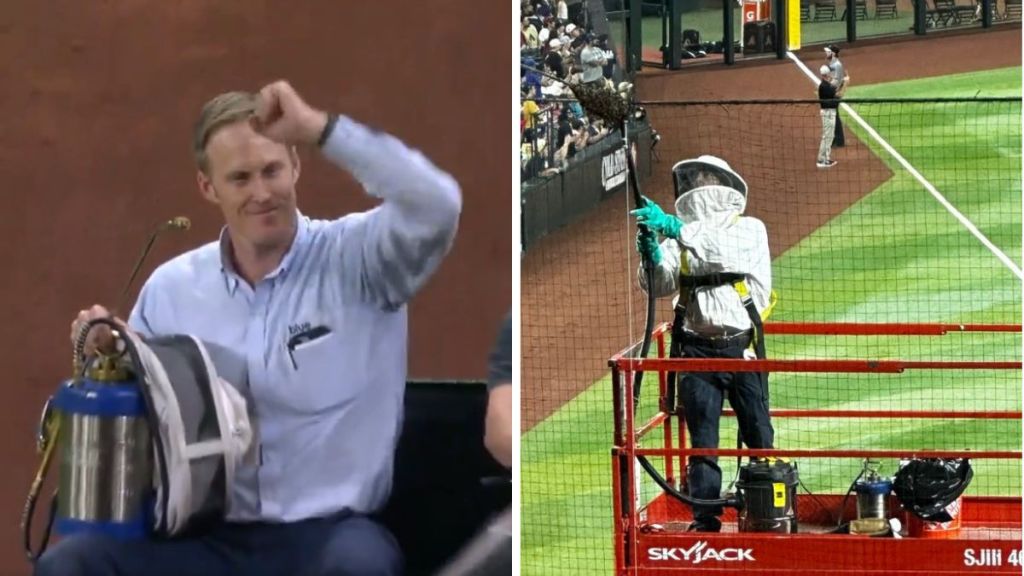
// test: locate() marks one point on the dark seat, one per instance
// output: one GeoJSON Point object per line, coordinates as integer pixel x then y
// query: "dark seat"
{"type": "Point", "coordinates": [824, 10]}
{"type": "Point", "coordinates": [968, 12]}
{"type": "Point", "coordinates": [861, 10]}
{"type": "Point", "coordinates": [885, 9]}
{"type": "Point", "coordinates": [805, 10]}
{"type": "Point", "coordinates": [758, 37]}
{"type": "Point", "coordinates": [943, 14]}
{"type": "Point", "coordinates": [446, 485]}
{"type": "Point", "coordinates": [1012, 10]}
{"type": "Point", "coordinates": [993, 8]}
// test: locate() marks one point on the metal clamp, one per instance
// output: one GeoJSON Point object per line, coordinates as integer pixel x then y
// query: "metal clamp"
{"type": "Point", "coordinates": [43, 432]}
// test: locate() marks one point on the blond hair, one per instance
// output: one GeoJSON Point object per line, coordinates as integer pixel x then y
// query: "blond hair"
{"type": "Point", "coordinates": [220, 111]}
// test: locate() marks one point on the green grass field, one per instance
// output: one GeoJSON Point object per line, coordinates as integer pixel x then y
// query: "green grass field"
{"type": "Point", "coordinates": [896, 255]}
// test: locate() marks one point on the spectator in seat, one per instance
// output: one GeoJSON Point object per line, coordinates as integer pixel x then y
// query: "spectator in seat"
{"type": "Point", "coordinates": [565, 128]}
{"type": "Point", "coordinates": [560, 33]}
{"type": "Point", "coordinates": [596, 131]}
{"type": "Point", "coordinates": [532, 80]}
{"type": "Point", "coordinates": [576, 42]}
{"type": "Point", "coordinates": [593, 60]}
{"type": "Point", "coordinates": [529, 37]}
{"type": "Point", "coordinates": [609, 56]}
{"type": "Point", "coordinates": [554, 60]}
{"type": "Point", "coordinates": [529, 110]}
{"type": "Point", "coordinates": [547, 31]}
{"type": "Point", "coordinates": [543, 9]}
{"type": "Point", "coordinates": [532, 152]}
{"type": "Point", "coordinates": [562, 10]}
{"type": "Point", "coordinates": [575, 109]}
{"type": "Point", "coordinates": [580, 136]}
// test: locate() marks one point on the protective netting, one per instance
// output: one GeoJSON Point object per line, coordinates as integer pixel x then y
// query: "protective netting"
{"type": "Point", "coordinates": [918, 223]}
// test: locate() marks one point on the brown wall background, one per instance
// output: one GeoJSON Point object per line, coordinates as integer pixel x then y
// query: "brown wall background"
{"type": "Point", "coordinates": [98, 100]}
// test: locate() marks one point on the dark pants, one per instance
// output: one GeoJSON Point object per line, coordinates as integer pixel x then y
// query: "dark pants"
{"type": "Point", "coordinates": [702, 395]}
{"type": "Point", "coordinates": [341, 545]}
{"type": "Point", "coordinates": [840, 137]}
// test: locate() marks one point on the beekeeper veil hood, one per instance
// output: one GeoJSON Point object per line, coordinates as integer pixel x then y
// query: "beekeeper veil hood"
{"type": "Point", "coordinates": [707, 185]}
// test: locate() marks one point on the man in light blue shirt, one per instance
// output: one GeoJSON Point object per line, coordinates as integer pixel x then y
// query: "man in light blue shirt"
{"type": "Point", "coordinates": [307, 319]}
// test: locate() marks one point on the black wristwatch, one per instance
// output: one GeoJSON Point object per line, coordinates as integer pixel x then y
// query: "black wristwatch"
{"type": "Point", "coordinates": [332, 119]}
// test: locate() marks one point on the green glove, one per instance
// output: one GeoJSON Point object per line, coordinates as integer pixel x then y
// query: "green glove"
{"type": "Point", "coordinates": [647, 245]}
{"type": "Point", "coordinates": [652, 216]}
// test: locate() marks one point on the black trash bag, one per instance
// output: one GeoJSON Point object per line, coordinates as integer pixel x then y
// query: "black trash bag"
{"type": "Point", "coordinates": [926, 486]}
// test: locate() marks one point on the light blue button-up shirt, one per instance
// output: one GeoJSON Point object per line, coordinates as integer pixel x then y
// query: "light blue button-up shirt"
{"type": "Point", "coordinates": [326, 412]}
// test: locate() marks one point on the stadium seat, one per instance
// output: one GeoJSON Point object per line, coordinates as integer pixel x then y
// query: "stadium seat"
{"type": "Point", "coordinates": [1012, 10]}
{"type": "Point", "coordinates": [758, 37]}
{"type": "Point", "coordinates": [805, 10]}
{"type": "Point", "coordinates": [861, 7]}
{"type": "Point", "coordinates": [943, 14]}
{"type": "Point", "coordinates": [885, 9]}
{"type": "Point", "coordinates": [446, 484]}
{"type": "Point", "coordinates": [824, 10]}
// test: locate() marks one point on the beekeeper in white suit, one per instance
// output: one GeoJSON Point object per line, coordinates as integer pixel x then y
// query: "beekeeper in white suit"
{"type": "Point", "coordinates": [716, 262]}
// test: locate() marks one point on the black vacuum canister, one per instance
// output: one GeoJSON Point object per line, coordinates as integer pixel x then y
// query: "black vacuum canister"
{"type": "Point", "coordinates": [768, 489]}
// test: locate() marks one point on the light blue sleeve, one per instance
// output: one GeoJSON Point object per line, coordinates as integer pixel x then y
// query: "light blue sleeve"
{"type": "Point", "coordinates": [397, 246]}
{"type": "Point", "coordinates": [139, 319]}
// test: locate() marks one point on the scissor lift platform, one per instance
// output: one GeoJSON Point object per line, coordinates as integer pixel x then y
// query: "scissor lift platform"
{"type": "Point", "coordinates": [651, 538]}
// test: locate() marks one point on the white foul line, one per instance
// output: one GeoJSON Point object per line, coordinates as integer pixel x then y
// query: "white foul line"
{"type": "Point", "coordinates": [917, 175]}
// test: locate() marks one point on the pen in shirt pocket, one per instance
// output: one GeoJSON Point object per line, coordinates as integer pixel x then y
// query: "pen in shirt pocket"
{"type": "Point", "coordinates": [305, 337]}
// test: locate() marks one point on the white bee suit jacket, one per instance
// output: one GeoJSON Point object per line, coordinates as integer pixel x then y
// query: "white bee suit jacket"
{"type": "Point", "coordinates": [715, 237]}
{"type": "Point", "coordinates": [203, 429]}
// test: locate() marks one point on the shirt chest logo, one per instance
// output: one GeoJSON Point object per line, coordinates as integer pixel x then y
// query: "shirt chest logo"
{"type": "Point", "coordinates": [294, 329]}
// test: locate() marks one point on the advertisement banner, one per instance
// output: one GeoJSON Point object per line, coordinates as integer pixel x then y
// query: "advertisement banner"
{"type": "Point", "coordinates": [613, 168]}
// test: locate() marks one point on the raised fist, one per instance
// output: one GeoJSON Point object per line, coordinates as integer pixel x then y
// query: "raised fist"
{"type": "Point", "coordinates": [283, 116]}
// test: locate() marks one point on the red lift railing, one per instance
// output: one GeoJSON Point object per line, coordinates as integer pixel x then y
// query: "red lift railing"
{"type": "Point", "coordinates": [627, 434]}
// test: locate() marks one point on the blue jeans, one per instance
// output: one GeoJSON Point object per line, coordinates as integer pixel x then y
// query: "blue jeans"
{"type": "Point", "coordinates": [336, 546]}
{"type": "Point", "coordinates": [702, 395]}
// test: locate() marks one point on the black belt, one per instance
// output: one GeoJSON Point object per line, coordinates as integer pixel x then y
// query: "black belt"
{"type": "Point", "coordinates": [742, 340]}
{"type": "Point", "coordinates": [713, 279]}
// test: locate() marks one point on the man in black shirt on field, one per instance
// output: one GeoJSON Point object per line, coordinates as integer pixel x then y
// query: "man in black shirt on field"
{"type": "Point", "coordinates": [829, 106]}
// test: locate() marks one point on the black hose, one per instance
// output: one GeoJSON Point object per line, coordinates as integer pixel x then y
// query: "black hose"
{"type": "Point", "coordinates": [734, 502]}
{"type": "Point", "coordinates": [842, 507]}
{"type": "Point", "coordinates": [648, 265]}
{"type": "Point", "coordinates": [26, 526]}
{"type": "Point", "coordinates": [816, 499]}
{"type": "Point", "coordinates": [48, 443]}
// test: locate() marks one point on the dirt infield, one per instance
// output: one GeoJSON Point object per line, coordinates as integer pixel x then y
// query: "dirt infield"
{"type": "Point", "coordinates": [555, 297]}
{"type": "Point", "coordinates": [100, 99]}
